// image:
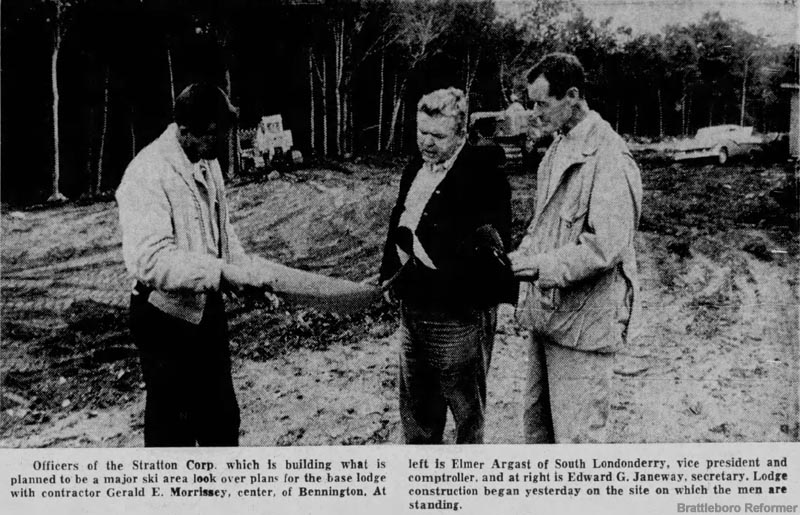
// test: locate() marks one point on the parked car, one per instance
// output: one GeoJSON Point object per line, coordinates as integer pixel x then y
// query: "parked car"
{"type": "Point", "coordinates": [718, 142]}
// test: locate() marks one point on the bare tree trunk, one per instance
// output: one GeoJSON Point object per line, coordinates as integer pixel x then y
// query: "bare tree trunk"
{"type": "Point", "coordinates": [233, 132]}
{"type": "Point", "coordinates": [351, 128]}
{"type": "Point", "coordinates": [683, 116]}
{"type": "Point", "coordinates": [338, 51]}
{"type": "Point", "coordinates": [689, 116]}
{"type": "Point", "coordinates": [711, 113]}
{"type": "Point", "coordinates": [313, 137]}
{"type": "Point", "coordinates": [133, 136]}
{"type": "Point", "coordinates": [342, 100]}
{"type": "Point", "coordinates": [349, 134]}
{"type": "Point", "coordinates": [466, 77]}
{"type": "Point", "coordinates": [338, 78]}
{"type": "Point", "coordinates": [56, 195]}
{"type": "Point", "coordinates": [393, 124]}
{"type": "Point", "coordinates": [380, 101]}
{"type": "Point", "coordinates": [91, 152]}
{"type": "Point", "coordinates": [231, 166]}
{"type": "Point", "coordinates": [171, 76]}
{"type": "Point", "coordinates": [684, 108]}
{"type": "Point", "coordinates": [660, 115]}
{"type": "Point", "coordinates": [324, 108]}
{"type": "Point", "coordinates": [398, 100]}
{"type": "Point", "coordinates": [402, 125]}
{"type": "Point", "coordinates": [471, 69]}
{"type": "Point", "coordinates": [103, 132]}
{"type": "Point", "coordinates": [348, 125]}
{"type": "Point", "coordinates": [500, 75]}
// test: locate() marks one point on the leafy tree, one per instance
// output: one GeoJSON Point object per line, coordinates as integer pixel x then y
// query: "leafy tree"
{"type": "Point", "coordinates": [682, 76]}
{"type": "Point", "coordinates": [527, 31]}
{"type": "Point", "coordinates": [724, 50]}
{"type": "Point", "coordinates": [423, 27]}
{"type": "Point", "coordinates": [642, 71]}
{"type": "Point", "coordinates": [596, 47]}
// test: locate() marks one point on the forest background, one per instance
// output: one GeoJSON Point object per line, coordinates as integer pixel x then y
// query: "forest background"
{"type": "Point", "coordinates": [88, 83]}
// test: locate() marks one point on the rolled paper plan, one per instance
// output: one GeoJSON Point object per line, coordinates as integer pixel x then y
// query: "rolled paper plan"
{"type": "Point", "coordinates": [319, 291]}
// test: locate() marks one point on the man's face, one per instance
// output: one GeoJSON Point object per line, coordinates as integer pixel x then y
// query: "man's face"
{"type": "Point", "coordinates": [436, 137]}
{"type": "Point", "coordinates": [205, 144]}
{"type": "Point", "coordinates": [550, 114]}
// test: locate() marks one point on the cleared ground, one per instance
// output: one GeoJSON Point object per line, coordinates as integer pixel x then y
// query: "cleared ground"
{"type": "Point", "coordinates": [715, 357]}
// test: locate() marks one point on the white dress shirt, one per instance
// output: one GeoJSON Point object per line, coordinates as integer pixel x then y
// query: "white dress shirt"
{"type": "Point", "coordinates": [425, 183]}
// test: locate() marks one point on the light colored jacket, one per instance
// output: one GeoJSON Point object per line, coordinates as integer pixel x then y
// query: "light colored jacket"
{"type": "Point", "coordinates": [166, 243]}
{"type": "Point", "coordinates": [581, 237]}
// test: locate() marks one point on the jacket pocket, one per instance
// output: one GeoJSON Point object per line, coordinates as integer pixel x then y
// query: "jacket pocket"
{"type": "Point", "coordinates": [589, 314]}
{"type": "Point", "coordinates": [532, 311]}
{"type": "Point", "coordinates": [574, 206]}
{"type": "Point", "coordinates": [575, 297]}
{"type": "Point", "coordinates": [571, 222]}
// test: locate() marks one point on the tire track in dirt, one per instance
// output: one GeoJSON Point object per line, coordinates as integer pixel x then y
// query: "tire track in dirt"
{"type": "Point", "coordinates": [713, 360]}
{"type": "Point", "coordinates": [721, 340]}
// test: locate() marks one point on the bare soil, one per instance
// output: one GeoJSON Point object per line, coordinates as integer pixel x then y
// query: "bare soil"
{"type": "Point", "coordinates": [714, 357]}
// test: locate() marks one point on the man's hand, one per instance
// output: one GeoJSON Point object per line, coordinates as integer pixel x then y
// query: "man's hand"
{"type": "Point", "coordinates": [233, 278]}
{"type": "Point", "coordinates": [273, 299]}
{"type": "Point", "coordinates": [524, 265]}
{"type": "Point", "coordinates": [238, 279]}
{"type": "Point", "coordinates": [388, 296]}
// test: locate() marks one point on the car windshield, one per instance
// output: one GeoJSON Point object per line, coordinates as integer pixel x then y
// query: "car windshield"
{"type": "Point", "coordinates": [724, 131]}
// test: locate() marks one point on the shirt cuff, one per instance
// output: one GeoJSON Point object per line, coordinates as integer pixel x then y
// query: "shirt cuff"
{"type": "Point", "coordinates": [548, 276]}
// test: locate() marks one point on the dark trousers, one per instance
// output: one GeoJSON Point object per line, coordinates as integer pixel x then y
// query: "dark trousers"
{"type": "Point", "coordinates": [444, 361]}
{"type": "Point", "coordinates": [187, 375]}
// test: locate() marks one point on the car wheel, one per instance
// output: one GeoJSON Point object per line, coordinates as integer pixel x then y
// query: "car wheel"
{"type": "Point", "coordinates": [722, 156]}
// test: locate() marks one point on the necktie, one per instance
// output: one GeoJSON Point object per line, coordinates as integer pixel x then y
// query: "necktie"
{"type": "Point", "coordinates": [215, 208]}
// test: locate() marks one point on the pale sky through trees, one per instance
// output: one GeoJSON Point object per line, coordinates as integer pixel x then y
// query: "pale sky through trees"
{"type": "Point", "coordinates": [775, 19]}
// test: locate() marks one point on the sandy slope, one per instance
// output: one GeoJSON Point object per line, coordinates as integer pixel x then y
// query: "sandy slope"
{"type": "Point", "coordinates": [715, 357]}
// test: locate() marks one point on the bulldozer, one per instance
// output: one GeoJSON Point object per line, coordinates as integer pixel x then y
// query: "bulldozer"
{"type": "Point", "coordinates": [269, 145]}
{"type": "Point", "coordinates": [512, 130]}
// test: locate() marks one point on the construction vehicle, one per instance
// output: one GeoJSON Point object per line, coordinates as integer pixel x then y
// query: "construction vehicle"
{"type": "Point", "coordinates": [510, 130]}
{"type": "Point", "coordinates": [269, 145]}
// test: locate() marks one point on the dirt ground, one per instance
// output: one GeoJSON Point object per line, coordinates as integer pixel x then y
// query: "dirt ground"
{"type": "Point", "coordinates": [714, 357]}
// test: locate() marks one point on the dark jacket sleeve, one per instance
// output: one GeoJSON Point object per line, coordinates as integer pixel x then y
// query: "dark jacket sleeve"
{"type": "Point", "coordinates": [483, 200]}
{"type": "Point", "coordinates": [390, 262]}
{"type": "Point", "coordinates": [474, 194]}
{"type": "Point", "coordinates": [492, 278]}
{"type": "Point", "coordinates": [490, 198]}
{"type": "Point", "coordinates": [498, 205]}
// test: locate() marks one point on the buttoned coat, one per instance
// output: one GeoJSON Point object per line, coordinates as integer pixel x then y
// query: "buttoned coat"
{"type": "Point", "coordinates": [474, 193]}
{"type": "Point", "coordinates": [165, 242]}
{"type": "Point", "coordinates": [582, 238]}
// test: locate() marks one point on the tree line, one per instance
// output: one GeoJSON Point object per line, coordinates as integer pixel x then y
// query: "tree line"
{"type": "Point", "coordinates": [88, 83]}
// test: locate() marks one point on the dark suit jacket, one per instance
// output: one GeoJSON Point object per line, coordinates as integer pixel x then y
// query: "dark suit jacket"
{"type": "Point", "coordinates": [473, 194]}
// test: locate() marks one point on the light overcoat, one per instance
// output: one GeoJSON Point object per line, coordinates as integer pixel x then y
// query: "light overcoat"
{"type": "Point", "coordinates": [165, 217]}
{"type": "Point", "coordinates": [581, 237]}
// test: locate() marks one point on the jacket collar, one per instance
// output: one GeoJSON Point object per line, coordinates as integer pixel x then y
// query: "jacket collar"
{"type": "Point", "coordinates": [174, 154]}
{"type": "Point", "coordinates": [446, 165]}
{"type": "Point", "coordinates": [574, 148]}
